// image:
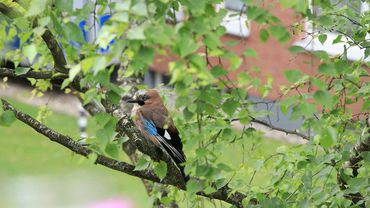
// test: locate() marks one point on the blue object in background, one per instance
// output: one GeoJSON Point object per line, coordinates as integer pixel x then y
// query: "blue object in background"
{"type": "Point", "coordinates": [102, 20]}
{"type": "Point", "coordinates": [15, 43]}
{"type": "Point", "coordinates": [82, 28]}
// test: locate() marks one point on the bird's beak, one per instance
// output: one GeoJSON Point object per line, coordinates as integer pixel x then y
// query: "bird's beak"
{"type": "Point", "coordinates": [132, 101]}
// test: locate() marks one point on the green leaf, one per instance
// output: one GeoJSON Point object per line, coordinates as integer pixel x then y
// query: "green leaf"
{"type": "Point", "coordinates": [321, 54]}
{"type": "Point", "coordinates": [102, 118]}
{"type": "Point", "coordinates": [74, 71]}
{"type": "Point", "coordinates": [244, 78]}
{"type": "Point", "coordinates": [325, 21]}
{"type": "Point", "coordinates": [323, 97]}
{"type": "Point", "coordinates": [114, 97]}
{"type": "Point", "coordinates": [7, 118]}
{"type": "Point", "coordinates": [322, 38]}
{"type": "Point", "coordinates": [136, 33]}
{"type": "Point", "coordinates": [139, 8]}
{"type": "Point", "coordinates": [319, 83]}
{"type": "Point", "coordinates": [142, 164]}
{"type": "Point", "coordinates": [21, 70]}
{"type": "Point", "coordinates": [288, 3]}
{"type": "Point", "coordinates": [327, 69]}
{"type": "Point", "coordinates": [30, 52]}
{"type": "Point", "coordinates": [107, 33]}
{"type": "Point", "coordinates": [120, 17]}
{"type": "Point", "coordinates": [73, 32]}
{"type": "Point", "coordinates": [302, 6]}
{"type": "Point", "coordinates": [193, 186]}
{"type": "Point", "coordinates": [235, 62]}
{"type": "Point", "coordinates": [229, 106]}
{"type": "Point", "coordinates": [64, 5]}
{"type": "Point", "coordinates": [160, 170]}
{"type": "Point", "coordinates": [249, 52]}
{"type": "Point", "coordinates": [280, 33]}
{"type": "Point", "coordinates": [87, 64]}
{"type": "Point", "coordinates": [218, 71]}
{"type": "Point", "coordinates": [293, 75]}
{"type": "Point", "coordinates": [221, 183]}
{"type": "Point", "coordinates": [307, 109]}
{"type": "Point", "coordinates": [112, 150]}
{"type": "Point", "coordinates": [307, 179]}
{"type": "Point", "coordinates": [244, 117]}
{"type": "Point", "coordinates": [211, 40]}
{"type": "Point", "coordinates": [36, 7]}
{"type": "Point", "coordinates": [264, 35]}
{"type": "Point", "coordinates": [209, 190]}
{"type": "Point", "coordinates": [123, 6]}
{"type": "Point", "coordinates": [65, 83]}
{"type": "Point", "coordinates": [186, 46]}
{"type": "Point", "coordinates": [146, 55]}
{"type": "Point", "coordinates": [338, 39]}
{"type": "Point", "coordinates": [328, 137]}
{"type": "Point", "coordinates": [100, 63]}
{"type": "Point", "coordinates": [297, 49]}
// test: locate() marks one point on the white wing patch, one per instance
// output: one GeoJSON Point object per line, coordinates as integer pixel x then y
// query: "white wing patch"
{"type": "Point", "coordinates": [174, 151]}
{"type": "Point", "coordinates": [167, 135]}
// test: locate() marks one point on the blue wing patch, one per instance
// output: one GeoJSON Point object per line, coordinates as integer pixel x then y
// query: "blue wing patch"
{"type": "Point", "coordinates": [152, 130]}
{"type": "Point", "coordinates": [150, 127]}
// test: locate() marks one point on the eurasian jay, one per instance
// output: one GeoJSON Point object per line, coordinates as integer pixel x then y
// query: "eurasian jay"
{"type": "Point", "coordinates": [151, 118]}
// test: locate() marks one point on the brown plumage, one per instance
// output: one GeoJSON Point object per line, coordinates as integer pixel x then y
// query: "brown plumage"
{"type": "Point", "coordinates": [151, 118]}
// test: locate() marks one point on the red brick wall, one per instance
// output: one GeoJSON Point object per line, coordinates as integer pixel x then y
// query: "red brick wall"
{"type": "Point", "coordinates": [273, 57]}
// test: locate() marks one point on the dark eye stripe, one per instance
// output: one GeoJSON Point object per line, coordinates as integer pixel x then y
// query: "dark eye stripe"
{"type": "Point", "coordinates": [145, 97]}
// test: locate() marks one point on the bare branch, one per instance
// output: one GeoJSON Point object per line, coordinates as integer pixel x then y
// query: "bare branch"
{"type": "Point", "coordinates": [286, 131]}
{"type": "Point", "coordinates": [348, 18]}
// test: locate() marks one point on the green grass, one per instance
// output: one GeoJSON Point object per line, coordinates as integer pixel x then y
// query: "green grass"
{"type": "Point", "coordinates": [26, 154]}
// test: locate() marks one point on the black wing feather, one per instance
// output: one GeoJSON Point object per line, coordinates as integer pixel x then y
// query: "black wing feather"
{"type": "Point", "coordinates": [175, 142]}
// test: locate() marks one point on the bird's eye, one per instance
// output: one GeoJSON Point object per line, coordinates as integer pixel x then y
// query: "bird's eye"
{"type": "Point", "coordinates": [145, 97]}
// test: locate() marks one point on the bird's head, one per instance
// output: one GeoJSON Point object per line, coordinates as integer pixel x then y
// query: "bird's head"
{"type": "Point", "coordinates": [145, 97]}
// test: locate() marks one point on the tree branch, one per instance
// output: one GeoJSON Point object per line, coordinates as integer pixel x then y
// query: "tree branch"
{"type": "Point", "coordinates": [56, 51]}
{"type": "Point", "coordinates": [31, 74]}
{"type": "Point", "coordinates": [286, 131]}
{"type": "Point", "coordinates": [60, 61]}
{"type": "Point", "coordinates": [75, 147]}
{"type": "Point", "coordinates": [225, 193]}
{"type": "Point", "coordinates": [353, 163]}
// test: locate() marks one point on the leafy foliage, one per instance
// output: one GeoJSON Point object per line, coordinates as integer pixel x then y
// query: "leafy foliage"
{"type": "Point", "coordinates": [140, 31]}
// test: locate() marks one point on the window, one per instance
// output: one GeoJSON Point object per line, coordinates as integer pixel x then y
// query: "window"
{"type": "Point", "coordinates": [155, 79]}
{"type": "Point", "coordinates": [236, 21]}
{"type": "Point", "coordinates": [343, 26]}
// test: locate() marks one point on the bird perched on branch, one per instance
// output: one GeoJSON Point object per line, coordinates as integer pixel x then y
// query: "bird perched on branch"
{"type": "Point", "coordinates": [151, 118]}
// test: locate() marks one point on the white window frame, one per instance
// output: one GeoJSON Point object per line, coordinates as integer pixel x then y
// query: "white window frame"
{"type": "Point", "coordinates": [354, 53]}
{"type": "Point", "coordinates": [235, 24]}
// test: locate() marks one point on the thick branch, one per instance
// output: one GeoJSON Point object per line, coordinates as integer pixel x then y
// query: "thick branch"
{"type": "Point", "coordinates": [76, 147]}
{"type": "Point", "coordinates": [353, 163]}
{"type": "Point", "coordinates": [31, 74]}
{"type": "Point", "coordinates": [225, 193]}
{"type": "Point", "coordinates": [56, 51]}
